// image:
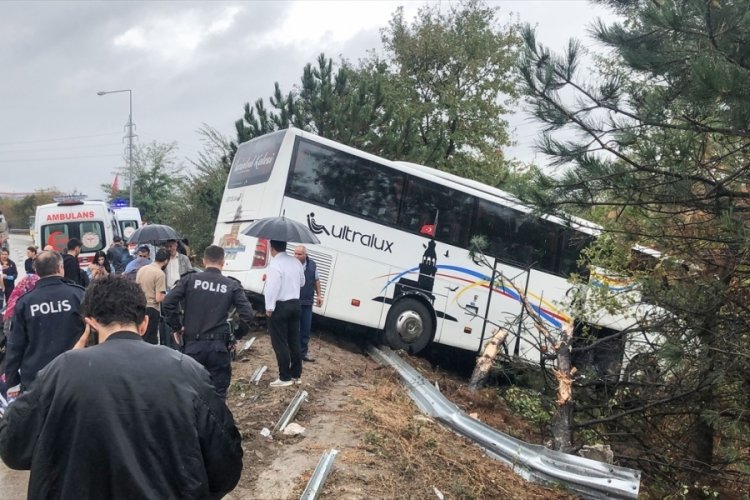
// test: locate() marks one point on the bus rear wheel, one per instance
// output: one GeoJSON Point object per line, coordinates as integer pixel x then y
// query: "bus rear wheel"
{"type": "Point", "coordinates": [409, 326]}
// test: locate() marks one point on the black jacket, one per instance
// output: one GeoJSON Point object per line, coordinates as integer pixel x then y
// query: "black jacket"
{"type": "Point", "coordinates": [46, 322]}
{"type": "Point", "coordinates": [307, 292]}
{"type": "Point", "coordinates": [73, 271]}
{"type": "Point", "coordinates": [123, 420]}
{"type": "Point", "coordinates": [208, 296]}
{"type": "Point", "coordinates": [10, 275]}
{"type": "Point", "coordinates": [119, 256]}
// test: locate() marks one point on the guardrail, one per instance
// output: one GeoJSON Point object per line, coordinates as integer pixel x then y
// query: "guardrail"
{"type": "Point", "coordinates": [583, 476]}
{"type": "Point", "coordinates": [290, 411]}
{"type": "Point", "coordinates": [315, 484]}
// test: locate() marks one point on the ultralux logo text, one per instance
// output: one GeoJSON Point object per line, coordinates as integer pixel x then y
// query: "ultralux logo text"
{"type": "Point", "coordinates": [349, 234]}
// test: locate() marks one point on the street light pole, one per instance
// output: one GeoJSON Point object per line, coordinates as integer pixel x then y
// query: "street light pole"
{"type": "Point", "coordinates": [130, 135]}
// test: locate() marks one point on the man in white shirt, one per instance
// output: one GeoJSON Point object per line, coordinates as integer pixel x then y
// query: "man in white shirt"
{"type": "Point", "coordinates": [284, 279]}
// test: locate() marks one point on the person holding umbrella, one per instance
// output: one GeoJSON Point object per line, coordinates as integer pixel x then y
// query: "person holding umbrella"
{"type": "Point", "coordinates": [283, 283]}
{"type": "Point", "coordinates": [284, 279]}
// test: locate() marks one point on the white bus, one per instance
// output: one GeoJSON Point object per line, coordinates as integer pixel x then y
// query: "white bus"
{"type": "Point", "coordinates": [385, 261]}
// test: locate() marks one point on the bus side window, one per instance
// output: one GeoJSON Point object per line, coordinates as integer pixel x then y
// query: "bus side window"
{"type": "Point", "coordinates": [424, 200]}
{"type": "Point", "coordinates": [345, 181]}
{"type": "Point", "coordinates": [540, 243]}
{"type": "Point", "coordinates": [497, 224]}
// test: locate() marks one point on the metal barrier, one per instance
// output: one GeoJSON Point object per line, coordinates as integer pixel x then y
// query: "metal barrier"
{"type": "Point", "coordinates": [290, 411]}
{"type": "Point", "coordinates": [319, 475]}
{"type": "Point", "coordinates": [589, 478]}
{"type": "Point", "coordinates": [257, 374]}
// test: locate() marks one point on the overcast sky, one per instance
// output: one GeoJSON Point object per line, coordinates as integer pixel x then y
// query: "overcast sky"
{"type": "Point", "coordinates": [187, 64]}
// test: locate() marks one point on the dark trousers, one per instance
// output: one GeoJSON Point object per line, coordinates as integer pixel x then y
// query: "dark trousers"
{"type": "Point", "coordinates": [305, 322]}
{"type": "Point", "coordinates": [215, 357]}
{"type": "Point", "coordinates": [165, 335]}
{"type": "Point", "coordinates": [284, 328]}
{"type": "Point", "coordinates": [152, 332]}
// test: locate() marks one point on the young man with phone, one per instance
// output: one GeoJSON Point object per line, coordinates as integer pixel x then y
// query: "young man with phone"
{"type": "Point", "coordinates": [146, 412]}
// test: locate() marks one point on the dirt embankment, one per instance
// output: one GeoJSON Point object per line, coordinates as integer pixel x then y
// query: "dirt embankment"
{"type": "Point", "coordinates": [387, 448]}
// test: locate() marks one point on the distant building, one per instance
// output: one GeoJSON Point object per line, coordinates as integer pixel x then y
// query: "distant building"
{"type": "Point", "coordinates": [14, 196]}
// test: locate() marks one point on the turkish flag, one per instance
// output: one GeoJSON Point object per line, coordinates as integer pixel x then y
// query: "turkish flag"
{"type": "Point", "coordinates": [428, 229]}
{"type": "Point", "coordinates": [115, 186]}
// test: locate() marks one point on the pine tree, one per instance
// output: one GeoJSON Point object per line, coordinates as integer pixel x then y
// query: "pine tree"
{"type": "Point", "coordinates": [437, 98]}
{"type": "Point", "coordinates": [658, 148]}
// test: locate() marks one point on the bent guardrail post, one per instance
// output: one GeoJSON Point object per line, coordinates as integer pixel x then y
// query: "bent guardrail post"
{"type": "Point", "coordinates": [584, 476]}
{"type": "Point", "coordinates": [319, 475]}
{"type": "Point", "coordinates": [247, 345]}
{"type": "Point", "coordinates": [290, 411]}
{"type": "Point", "coordinates": [257, 374]}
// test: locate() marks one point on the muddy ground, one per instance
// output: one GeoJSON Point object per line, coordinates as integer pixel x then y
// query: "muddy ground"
{"type": "Point", "coordinates": [387, 448]}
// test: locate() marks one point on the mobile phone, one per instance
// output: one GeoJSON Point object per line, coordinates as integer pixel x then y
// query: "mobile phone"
{"type": "Point", "coordinates": [93, 337]}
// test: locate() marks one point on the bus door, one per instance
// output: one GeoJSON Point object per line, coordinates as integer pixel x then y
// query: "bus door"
{"type": "Point", "coordinates": [501, 304]}
{"type": "Point", "coordinates": [444, 318]}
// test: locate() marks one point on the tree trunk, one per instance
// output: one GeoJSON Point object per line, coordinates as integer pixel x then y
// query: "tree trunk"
{"type": "Point", "coordinates": [487, 359]}
{"type": "Point", "coordinates": [562, 420]}
{"type": "Point", "coordinates": [701, 433]}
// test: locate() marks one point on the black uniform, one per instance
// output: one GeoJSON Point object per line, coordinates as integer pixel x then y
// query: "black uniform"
{"type": "Point", "coordinates": [123, 420]}
{"type": "Point", "coordinates": [73, 271]}
{"type": "Point", "coordinates": [46, 323]}
{"type": "Point", "coordinates": [208, 297]}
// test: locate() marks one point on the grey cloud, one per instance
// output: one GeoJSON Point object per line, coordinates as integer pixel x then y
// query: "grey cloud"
{"type": "Point", "coordinates": [56, 55]}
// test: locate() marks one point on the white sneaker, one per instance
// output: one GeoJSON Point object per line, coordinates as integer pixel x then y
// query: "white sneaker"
{"type": "Point", "coordinates": [297, 381]}
{"type": "Point", "coordinates": [280, 383]}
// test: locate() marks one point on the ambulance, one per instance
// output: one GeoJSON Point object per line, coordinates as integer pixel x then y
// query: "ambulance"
{"type": "Point", "coordinates": [94, 223]}
{"type": "Point", "coordinates": [129, 219]}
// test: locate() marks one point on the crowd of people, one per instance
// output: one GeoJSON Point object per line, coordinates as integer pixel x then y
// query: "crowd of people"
{"type": "Point", "coordinates": [125, 366]}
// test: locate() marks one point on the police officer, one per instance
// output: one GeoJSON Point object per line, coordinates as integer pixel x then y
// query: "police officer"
{"type": "Point", "coordinates": [208, 297]}
{"type": "Point", "coordinates": [46, 323]}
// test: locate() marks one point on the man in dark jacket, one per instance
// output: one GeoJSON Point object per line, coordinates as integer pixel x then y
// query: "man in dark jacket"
{"type": "Point", "coordinates": [118, 255]}
{"type": "Point", "coordinates": [73, 271]}
{"type": "Point", "coordinates": [46, 322]}
{"type": "Point", "coordinates": [122, 419]}
{"type": "Point", "coordinates": [307, 296]}
{"type": "Point", "coordinates": [208, 297]}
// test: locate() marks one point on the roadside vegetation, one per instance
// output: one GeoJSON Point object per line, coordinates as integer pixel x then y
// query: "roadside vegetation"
{"type": "Point", "coordinates": [648, 138]}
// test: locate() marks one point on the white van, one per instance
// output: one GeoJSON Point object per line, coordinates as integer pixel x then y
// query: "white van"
{"type": "Point", "coordinates": [129, 219]}
{"type": "Point", "coordinates": [92, 222]}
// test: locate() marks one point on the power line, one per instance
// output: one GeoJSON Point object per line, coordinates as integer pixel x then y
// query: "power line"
{"type": "Point", "coordinates": [59, 139]}
{"type": "Point", "coordinates": [58, 149]}
{"type": "Point", "coordinates": [59, 158]}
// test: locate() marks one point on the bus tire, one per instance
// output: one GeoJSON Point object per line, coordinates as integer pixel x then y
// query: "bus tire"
{"type": "Point", "coordinates": [409, 326]}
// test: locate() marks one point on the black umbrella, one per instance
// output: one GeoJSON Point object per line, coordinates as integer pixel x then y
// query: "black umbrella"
{"type": "Point", "coordinates": [281, 229]}
{"type": "Point", "coordinates": [153, 233]}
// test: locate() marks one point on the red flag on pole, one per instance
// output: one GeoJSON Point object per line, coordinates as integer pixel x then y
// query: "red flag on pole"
{"type": "Point", "coordinates": [115, 186]}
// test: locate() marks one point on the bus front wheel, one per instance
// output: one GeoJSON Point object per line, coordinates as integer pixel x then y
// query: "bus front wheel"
{"type": "Point", "coordinates": [409, 326]}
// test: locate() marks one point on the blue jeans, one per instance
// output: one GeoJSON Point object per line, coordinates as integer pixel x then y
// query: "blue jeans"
{"type": "Point", "coordinates": [305, 321]}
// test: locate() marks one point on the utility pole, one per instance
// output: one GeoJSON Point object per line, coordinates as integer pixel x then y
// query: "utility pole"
{"type": "Point", "coordinates": [129, 136]}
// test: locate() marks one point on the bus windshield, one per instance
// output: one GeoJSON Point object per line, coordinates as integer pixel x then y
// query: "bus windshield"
{"type": "Point", "coordinates": [254, 160]}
